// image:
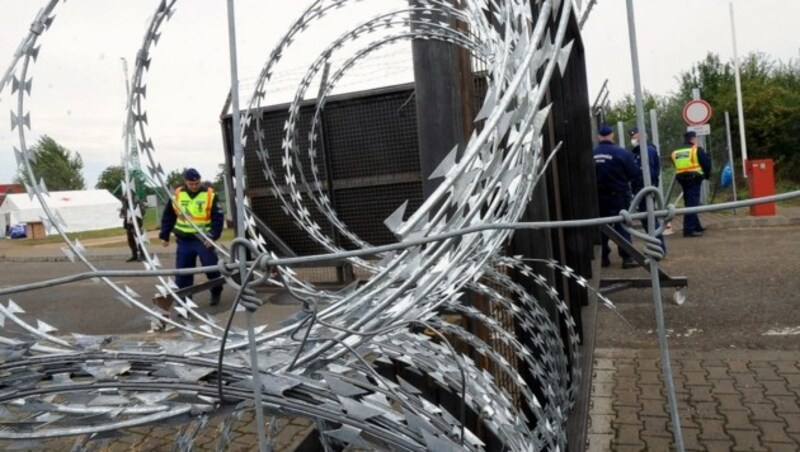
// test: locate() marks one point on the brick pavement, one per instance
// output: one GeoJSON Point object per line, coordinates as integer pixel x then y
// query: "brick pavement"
{"type": "Point", "coordinates": [289, 432]}
{"type": "Point", "coordinates": [727, 400]}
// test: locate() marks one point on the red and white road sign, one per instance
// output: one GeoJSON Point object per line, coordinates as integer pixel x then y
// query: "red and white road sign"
{"type": "Point", "coordinates": [696, 112]}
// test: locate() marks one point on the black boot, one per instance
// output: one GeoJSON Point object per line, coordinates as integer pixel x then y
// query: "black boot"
{"type": "Point", "coordinates": [215, 297]}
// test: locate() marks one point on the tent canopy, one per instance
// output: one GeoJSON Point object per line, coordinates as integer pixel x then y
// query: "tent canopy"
{"type": "Point", "coordinates": [81, 210]}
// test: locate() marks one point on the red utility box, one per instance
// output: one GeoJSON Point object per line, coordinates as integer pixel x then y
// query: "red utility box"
{"type": "Point", "coordinates": [761, 179]}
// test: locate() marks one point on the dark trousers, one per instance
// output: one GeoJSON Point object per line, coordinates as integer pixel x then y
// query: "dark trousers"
{"type": "Point", "coordinates": [691, 198]}
{"type": "Point", "coordinates": [136, 250]}
{"type": "Point", "coordinates": [187, 253]}
{"type": "Point", "coordinates": [610, 206]}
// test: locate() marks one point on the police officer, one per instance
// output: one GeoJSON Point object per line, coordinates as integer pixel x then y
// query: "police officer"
{"type": "Point", "coordinates": [198, 203]}
{"type": "Point", "coordinates": [127, 222]}
{"type": "Point", "coordinates": [654, 163]}
{"type": "Point", "coordinates": [692, 165]}
{"type": "Point", "coordinates": [615, 169]}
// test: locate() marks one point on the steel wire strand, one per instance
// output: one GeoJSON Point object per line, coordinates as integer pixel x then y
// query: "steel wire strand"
{"type": "Point", "coordinates": [155, 360]}
{"type": "Point", "coordinates": [369, 368]}
{"type": "Point", "coordinates": [291, 152]}
{"type": "Point", "coordinates": [302, 406]}
{"type": "Point", "coordinates": [492, 122]}
{"type": "Point", "coordinates": [323, 202]}
{"type": "Point", "coordinates": [599, 221]}
{"type": "Point", "coordinates": [436, 255]}
{"type": "Point", "coordinates": [309, 306]}
{"type": "Point", "coordinates": [424, 301]}
{"type": "Point", "coordinates": [41, 23]}
{"type": "Point", "coordinates": [390, 328]}
{"type": "Point", "coordinates": [669, 212]}
{"type": "Point", "coordinates": [654, 249]}
{"type": "Point", "coordinates": [244, 295]}
{"type": "Point", "coordinates": [136, 121]}
{"type": "Point", "coordinates": [265, 262]}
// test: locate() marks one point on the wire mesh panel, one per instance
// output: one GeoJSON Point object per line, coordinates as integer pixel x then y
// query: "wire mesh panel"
{"type": "Point", "coordinates": [269, 210]}
{"type": "Point", "coordinates": [366, 148]}
{"type": "Point", "coordinates": [375, 135]}
{"type": "Point", "coordinates": [260, 190]}
{"type": "Point", "coordinates": [365, 208]}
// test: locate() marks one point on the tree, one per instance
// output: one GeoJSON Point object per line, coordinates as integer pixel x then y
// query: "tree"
{"type": "Point", "coordinates": [219, 179]}
{"type": "Point", "coordinates": [111, 179]}
{"type": "Point", "coordinates": [58, 166]}
{"type": "Point", "coordinates": [670, 124]}
{"type": "Point", "coordinates": [175, 179]}
{"type": "Point", "coordinates": [219, 186]}
{"type": "Point", "coordinates": [771, 103]}
{"type": "Point", "coordinates": [771, 100]}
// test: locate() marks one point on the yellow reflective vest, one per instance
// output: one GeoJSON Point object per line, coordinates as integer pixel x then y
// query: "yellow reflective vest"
{"type": "Point", "coordinates": [685, 161]}
{"type": "Point", "coordinates": [197, 209]}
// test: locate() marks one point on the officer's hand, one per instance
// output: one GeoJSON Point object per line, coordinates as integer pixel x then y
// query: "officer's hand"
{"type": "Point", "coordinates": [165, 243]}
{"type": "Point", "coordinates": [209, 243]}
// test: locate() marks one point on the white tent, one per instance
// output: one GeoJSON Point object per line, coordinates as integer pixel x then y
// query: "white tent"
{"type": "Point", "coordinates": [80, 210]}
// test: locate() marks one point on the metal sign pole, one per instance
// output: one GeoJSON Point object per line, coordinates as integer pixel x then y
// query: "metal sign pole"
{"type": "Point", "coordinates": [739, 106]}
{"type": "Point", "coordinates": [666, 366]}
{"type": "Point", "coordinates": [730, 156]}
{"type": "Point", "coordinates": [657, 143]}
{"type": "Point", "coordinates": [238, 160]}
{"type": "Point", "coordinates": [701, 142]}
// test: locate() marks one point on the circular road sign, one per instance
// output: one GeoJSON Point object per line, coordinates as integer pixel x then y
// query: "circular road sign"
{"type": "Point", "coordinates": [696, 112]}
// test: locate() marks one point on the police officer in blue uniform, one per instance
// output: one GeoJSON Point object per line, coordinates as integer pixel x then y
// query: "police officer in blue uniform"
{"type": "Point", "coordinates": [615, 169]}
{"type": "Point", "coordinates": [692, 165]}
{"type": "Point", "coordinates": [198, 203]}
{"type": "Point", "coordinates": [654, 163]}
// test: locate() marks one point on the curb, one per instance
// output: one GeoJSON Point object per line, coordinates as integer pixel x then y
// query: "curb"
{"type": "Point", "coordinates": [755, 222]}
{"type": "Point", "coordinates": [723, 224]}
{"type": "Point", "coordinates": [64, 258]}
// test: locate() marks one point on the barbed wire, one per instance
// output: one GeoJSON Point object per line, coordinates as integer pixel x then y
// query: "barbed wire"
{"type": "Point", "coordinates": [321, 364]}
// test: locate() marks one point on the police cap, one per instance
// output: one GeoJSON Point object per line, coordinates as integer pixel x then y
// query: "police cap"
{"type": "Point", "coordinates": [605, 130]}
{"type": "Point", "coordinates": [191, 174]}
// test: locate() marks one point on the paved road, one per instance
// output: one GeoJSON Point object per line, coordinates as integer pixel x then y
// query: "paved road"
{"type": "Point", "coordinates": [744, 292]}
{"type": "Point", "coordinates": [737, 385]}
{"type": "Point", "coordinates": [734, 350]}
{"type": "Point", "coordinates": [89, 307]}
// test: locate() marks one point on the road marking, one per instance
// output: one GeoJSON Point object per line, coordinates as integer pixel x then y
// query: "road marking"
{"type": "Point", "coordinates": [671, 333]}
{"type": "Point", "coordinates": [788, 331]}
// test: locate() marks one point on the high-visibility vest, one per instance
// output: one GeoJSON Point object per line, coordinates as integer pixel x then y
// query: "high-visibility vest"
{"type": "Point", "coordinates": [197, 209]}
{"type": "Point", "coordinates": [685, 160]}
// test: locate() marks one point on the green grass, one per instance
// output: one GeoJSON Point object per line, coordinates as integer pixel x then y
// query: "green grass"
{"type": "Point", "coordinates": [743, 192]}
{"type": "Point", "coordinates": [787, 186]}
{"type": "Point", "coordinates": [149, 223]}
{"type": "Point", "coordinates": [83, 236]}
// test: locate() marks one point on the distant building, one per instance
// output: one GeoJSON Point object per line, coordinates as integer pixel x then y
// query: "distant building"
{"type": "Point", "coordinates": [6, 189]}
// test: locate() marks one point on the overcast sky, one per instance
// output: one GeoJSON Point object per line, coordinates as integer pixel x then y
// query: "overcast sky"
{"type": "Point", "coordinates": [78, 94]}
